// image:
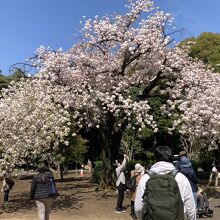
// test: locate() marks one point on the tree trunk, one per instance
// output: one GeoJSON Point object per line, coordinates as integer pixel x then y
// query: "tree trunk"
{"type": "Point", "coordinates": [58, 168]}
{"type": "Point", "coordinates": [76, 168]}
{"type": "Point", "coordinates": [107, 180]}
{"type": "Point", "coordinates": [61, 172]}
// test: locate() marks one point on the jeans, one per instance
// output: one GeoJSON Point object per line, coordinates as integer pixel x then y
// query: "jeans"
{"type": "Point", "coordinates": [43, 208]}
{"type": "Point", "coordinates": [133, 215]}
{"type": "Point", "coordinates": [120, 196]}
{"type": "Point", "coordinates": [6, 194]}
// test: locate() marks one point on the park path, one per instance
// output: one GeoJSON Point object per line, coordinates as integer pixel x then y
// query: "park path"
{"type": "Point", "coordinates": [96, 214]}
{"type": "Point", "coordinates": [78, 200]}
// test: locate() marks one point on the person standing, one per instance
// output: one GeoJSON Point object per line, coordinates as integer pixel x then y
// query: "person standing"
{"type": "Point", "coordinates": [136, 176]}
{"type": "Point", "coordinates": [164, 166]}
{"type": "Point", "coordinates": [182, 153]}
{"type": "Point", "coordinates": [214, 173]}
{"type": "Point", "coordinates": [120, 182]}
{"type": "Point", "coordinates": [89, 164]}
{"type": "Point", "coordinates": [187, 169]}
{"type": "Point", "coordinates": [40, 188]}
{"type": "Point", "coordinates": [6, 187]}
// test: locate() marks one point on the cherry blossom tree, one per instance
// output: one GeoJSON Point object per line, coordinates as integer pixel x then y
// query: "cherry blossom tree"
{"type": "Point", "coordinates": [117, 52]}
{"type": "Point", "coordinates": [33, 123]}
{"type": "Point", "coordinates": [196, 95]}
{"type": "Point", "coordinates": [89, 86]}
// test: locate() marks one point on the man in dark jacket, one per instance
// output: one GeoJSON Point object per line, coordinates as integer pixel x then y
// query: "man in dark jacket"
{"type": "Point", "coordinates": [185, 167]}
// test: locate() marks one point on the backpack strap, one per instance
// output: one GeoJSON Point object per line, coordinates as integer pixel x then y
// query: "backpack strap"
{"type": "Point", "coordinates": [150, 173]}
{"type": "Point", "coordinates": [172, 173]}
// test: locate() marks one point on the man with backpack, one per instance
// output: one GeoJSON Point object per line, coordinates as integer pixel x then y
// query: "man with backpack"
{"type": "Point", "coordinates": [163, 193]}
{"type": "Point", "coordinates": [7, 184]}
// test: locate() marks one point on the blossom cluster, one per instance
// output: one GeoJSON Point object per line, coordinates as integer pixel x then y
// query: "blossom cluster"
{"type": "Point", "coordinates": [31, 122]}
{"type": "Point", "coordinates": [84, 85]}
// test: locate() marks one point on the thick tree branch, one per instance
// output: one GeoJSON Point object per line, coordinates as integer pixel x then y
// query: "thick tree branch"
{"type": "Point", "coordinates": [153, 83]}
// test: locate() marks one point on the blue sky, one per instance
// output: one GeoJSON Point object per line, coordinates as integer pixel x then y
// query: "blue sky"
{"type": "Point", "coordinates": [27, 24]}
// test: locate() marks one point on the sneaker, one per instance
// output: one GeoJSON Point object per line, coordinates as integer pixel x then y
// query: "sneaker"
{"type": "Point", "coordinates": [134, 216]}
{"type": "Point", "coordinates": [209, 210]}
{"type": "Point", "coordinates": [118, 212]}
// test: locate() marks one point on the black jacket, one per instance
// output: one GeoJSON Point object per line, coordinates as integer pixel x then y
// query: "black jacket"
{"type": "Point", "coordinates": [191, 176]}
{"type": "Point", "coordinates": [39, 189]}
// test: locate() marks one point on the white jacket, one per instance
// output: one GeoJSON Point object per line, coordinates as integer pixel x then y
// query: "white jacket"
{"type": "Point", "coordinates": [120, 173]}
{"type": "Point", "coordinates": [183, 183]}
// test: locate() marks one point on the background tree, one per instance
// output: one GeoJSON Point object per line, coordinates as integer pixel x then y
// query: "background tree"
{"type": "Point", "coordinates": [32, 124]}
{"type": "Point", "coordinates": [130, 144]}
{"type": "Point", "coordinates": [71, 152]}
{"type": "Point", "coordinates": [4, 81]}
{"type": "Point", "coordinates": [205, 47]}
{"type": "Point", "coordinates": [15, 76]}
{"type": "Point", "coordinates": [198, 120]}
{"type": "Point", "coordinates": [75, 151]}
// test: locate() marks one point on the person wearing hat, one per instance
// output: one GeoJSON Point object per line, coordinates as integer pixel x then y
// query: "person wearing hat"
{"type": "Point", "coordinates": [139, 169]}
{"type": "Point", "coordinates": [187, 169]}
{"type": "Point", "coordinates": [181, 154]}
{"type": "Point", "coordinates": [136, 173]}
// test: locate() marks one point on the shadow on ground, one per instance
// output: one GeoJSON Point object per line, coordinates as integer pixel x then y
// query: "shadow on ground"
{"type": "Point", "coordinates": [22, 203]}
{"type": "Point", "coordinates": [71, 197]}
{"type": "Point", "coordinates": [213, 192]}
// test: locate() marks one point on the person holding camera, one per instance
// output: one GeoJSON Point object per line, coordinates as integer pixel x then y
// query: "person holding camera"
{"type": "Point", "coordinates": [120, 182]}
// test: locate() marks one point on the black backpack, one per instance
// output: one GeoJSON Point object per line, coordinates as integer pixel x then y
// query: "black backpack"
{"type": "Point", "coordinates": [131, 184]}
{"type": "Point", "coordinates": [162, 199]}
{"type": "Point", "coordinates": [10, 182]}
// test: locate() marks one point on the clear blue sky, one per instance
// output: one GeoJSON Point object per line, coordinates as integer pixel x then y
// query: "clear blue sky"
{"type": "Point", "coordinates": [27, 24]}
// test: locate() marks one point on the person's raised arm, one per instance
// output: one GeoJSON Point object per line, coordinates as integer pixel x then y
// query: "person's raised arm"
{"type": "Point", "coordinates": [122, 166]}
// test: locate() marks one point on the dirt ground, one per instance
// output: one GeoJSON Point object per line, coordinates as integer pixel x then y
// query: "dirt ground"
{"type": "Point", "coordinates": [79, 200]}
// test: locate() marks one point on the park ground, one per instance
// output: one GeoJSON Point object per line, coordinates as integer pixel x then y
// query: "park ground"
{"type": "Point", "coordinates": [79, 199]}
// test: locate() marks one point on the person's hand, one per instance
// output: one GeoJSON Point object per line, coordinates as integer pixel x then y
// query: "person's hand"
{"type": "Point", "coordinates": [125, 155]}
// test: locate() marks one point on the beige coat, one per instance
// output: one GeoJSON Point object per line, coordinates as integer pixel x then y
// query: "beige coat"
{"type": "Point", "coordinates": [5, 186]}
{"type": "Point", "coordinates": [138, 177]}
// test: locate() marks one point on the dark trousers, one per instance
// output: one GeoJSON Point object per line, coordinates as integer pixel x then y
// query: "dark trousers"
{"type": "Point", "coordinates": [120, 199]}
{"type": "Point", "coordinates": [6, 193]}
{"type": "Point", "coordinates": [133, 215]}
